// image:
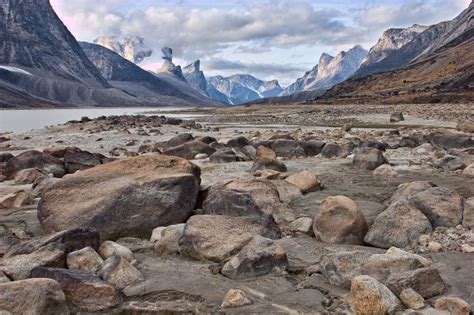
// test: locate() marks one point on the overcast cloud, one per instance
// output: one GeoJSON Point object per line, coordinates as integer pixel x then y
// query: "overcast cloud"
{"type": "Point", "coordinates": [256, 37]}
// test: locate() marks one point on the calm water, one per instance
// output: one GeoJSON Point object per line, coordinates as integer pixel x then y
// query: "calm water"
{"type": "Point", "coordinates": [25, 120]}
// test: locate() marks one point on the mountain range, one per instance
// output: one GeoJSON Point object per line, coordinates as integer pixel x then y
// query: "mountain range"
{"type": "Point", "coordinates": [42, 65]}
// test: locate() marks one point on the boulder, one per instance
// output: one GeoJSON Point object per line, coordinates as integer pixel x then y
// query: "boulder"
{"type": "Point", "coordinates": [228, 155]}
{"type": "Point", "coordinates": [179, 140]}
{"type": "Point", "coordinates": [382, 146]}
{"type": "Point", "coordinates": [257, 258]}
{"type": "Point", "coordinates": [244, 196]}
{"type": "Point", "coordinates": [340, 222]}
{"type": "Point", "coordinates": [218, 237]}
{"type": "Point", "coordinates": [396, 117]}
{"type": "Point", "coordinates": [78, 161]}
{"type": "Point", "coordinates": [451, 139]}
{"type": "Point", "coordinates": [287, 148]}
{"type": "Point", "coordinates": [370, 297]}
{"type": "Point", "coordinates": [306, 181]}
{"type": "Point", "coordinates": [168, 244]}
{"type": "Point", "coordinates": [19, 267]}
{"type": "Point", "coordinates": [410, 189]}
{"type": "Point", "coordinates": [400, 225]}
{"type": "Point", "coordinates": [382, 266]}
{"type": "Point", "coordinates": [119, 272]}
{"type": "Point", "coordinates": [411, 299]}
{"type": "Point", "coordinates": [454, 305]}
{"type": "Point", "coordinates": [41, 184]}
{"type": "Point", "coordinates": [287, 191]}
{"type": "Point", "coordinates": [302, 225]}
{"type": "Point", "coordinates": [312, 147]}
{"type": "Point", "coordinates": [85, 259]}
{"type": "Point", "coordinates": [33, 296]}
{"type": "Point", "coordinates": [451, 163]}
{"type": "Point", "coordinates": [249, 151]}
{"type": "Point", "coordinates": [340, 268]}
{"type": "Point", "coordinates": [469, 170]}
{"type": "Point", "coordinates": [426, 281]}
{"type": "Point", "coordinates": [441, 206]}
{"type": "Point", "coordinates": [34, 159]}
{"type": "Point", "coordinates": [238, 142]}
{"type": "Point", "coordinates": [15, 199]}
{"type": "Point", "coordinates": [264, 163]}
{"type": "Point", "coordinates": [368, 158]}
{"type": "Point", "coordinates": [84, 290]}
{"type": "Point", "coordinates": [28, 176]}
{"type": "Point", "coordinates": [156, 234]}
{"type": "Point", "coordinates": [69, 240]}
{"type": "Point", "coordinates": [106, 197]}
{"type": "Point", "coordinates": [265, 152]}
{"type": "Point", "coordinates": [385, 170]}
{"type": "Point", "coordinates": [468, 214]}
{"type": "Point", "coordinates": [331, 150]}
{"type": "Point", "coordinates": [109, 249]}
{"type": "Point", "coordinates": [235, 298]}
{"type": "Point", "coordinates": [414, 140]}
{"type": "Point", "coordinates": [4, 157]}
{"type": "Point", "coordinates": [190, 149]}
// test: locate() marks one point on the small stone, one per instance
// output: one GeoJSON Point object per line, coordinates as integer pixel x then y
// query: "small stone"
{"type": "Point", "coordinates": [201, 156]}
{"type": "Point", "coordinates": [412, 299]}
{"type": "Point", "coordinates": [455, 306]}
{"type": "Point", "coordinates": [86, 259]}
{"type": "Point", "coordinates": [396, 117]}
{"type": "Point", "coordinates": [370, 297]}
{"type": "Point", "coordinates": [119, 272]}
{"type": "Point", "coordinates": [302, 225]}
{"type": "Point", "coordinates": [306, 181]}
{"type": "Point", "coordinates": [235, 298]}
{"type": "Point", "coordinates": [466, 248]}
{"type": "Point", "coordinates": [435, 246]}
{"type": "Point", "coordinates": [109, 249]}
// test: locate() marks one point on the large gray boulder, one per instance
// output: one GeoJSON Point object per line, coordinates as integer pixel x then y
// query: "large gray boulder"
{"type": "Point", "coordinates": [400, 225]}
{"type": "Point", "coordinates": [443, 207]}
{"type": "Point", "coordinates": [340, 268]}
{"type": "Point", "coordinates": [426, 281]}
{"type": "Point", "coordinates": [256, 259]}
{"type": "Point", "coordinates": [451, 139]}
{"type": "Point", "coordinates": [129, 197]}
{"type": "Point", "coordinates": [410, 189]}
{"type": "Point", "coordinates": [190, 149]}
{"type": "Point", "coordinates": [340, 222]}
{"type": "Point", "coordinates": [218, 237]}
{"type": "Point", "coordinates": [33, 296]}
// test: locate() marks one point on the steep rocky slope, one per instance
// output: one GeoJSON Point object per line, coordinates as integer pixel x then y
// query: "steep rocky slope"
{"type": "Point", "coordinates": [415, 42]}
{"type": "Point", "coordinates": [195, 77]}
{"type": "Point", "coordinates": [329, 71]}
{"type": "Point", "coordinates": [127, 76]}
{"type": "Point", "coordinates": [132, 48]}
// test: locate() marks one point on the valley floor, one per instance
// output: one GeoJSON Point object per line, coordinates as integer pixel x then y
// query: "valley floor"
{"type": "Point", "coordinates": [180, 284]}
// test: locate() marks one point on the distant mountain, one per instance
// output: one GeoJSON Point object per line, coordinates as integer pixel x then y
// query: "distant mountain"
{"type": "Point", "coordinates": [442, 71]}
{"type": "Point", "coordinates": [412, 43]}
{"type": "Point", "coordinates": [241, 89]}
{"type": "Point", "coordinates": [168, 68]}
{"type": "Point", "coordinates": [41, 62]}
{"type": "Point", "coordinates": [329, 71]}
{"type": "Point", "coordinates": [127, 76]}
{"type": "Point", "coordinates": [131, 48]}
{"type": "Point", "coordinates": [195, 77]}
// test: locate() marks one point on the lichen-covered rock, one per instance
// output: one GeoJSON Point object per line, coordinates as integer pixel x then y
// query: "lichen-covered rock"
{"type": "Point", "coordinates": [86, 259]}
{"type": "Point", "coordinates": [411, 299]}
{"type": "Point", "coordinates": [443, 207]}
{"type": "Point", "coordinates": [426, 281]}
{"type": "Point", "coordinates": [256, 259]}
{"type": "Point", "coordinates": [340, 222]}
{"type": "Point", "coordinates": [400, 225]}
{"type": "Point", "coordinates": [305, 180]}
{"type": "Point", "coordinates": [119, 272]}
{"type": "Point", "coordinates": [454, 305]}
{"type": "Point", "coordinates": [109, 249]}
{"type": "Point", "coordinates": [84, 290]}
{"type": "Point", "coordinates": [370, 297]}
{"type": "Point", "coordinates": [106, 197]}
{"type": "Point", "coordinates": [218, 237]}
{"type": "Point", "coordinates": [33, 296]}
{"type": "Point", "coordinates": [340, 268]}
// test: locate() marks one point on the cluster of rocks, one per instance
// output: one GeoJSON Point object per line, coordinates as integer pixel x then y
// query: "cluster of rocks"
{"type": "Point", "coordinates": [102, 218]}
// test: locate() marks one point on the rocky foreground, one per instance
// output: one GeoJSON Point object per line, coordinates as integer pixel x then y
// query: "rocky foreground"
{"type": "Point", "coordinates": [147, 214]}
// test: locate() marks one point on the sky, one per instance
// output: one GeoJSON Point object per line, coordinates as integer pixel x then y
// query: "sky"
{"type": "Point", "coordinates": [270, 39]}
